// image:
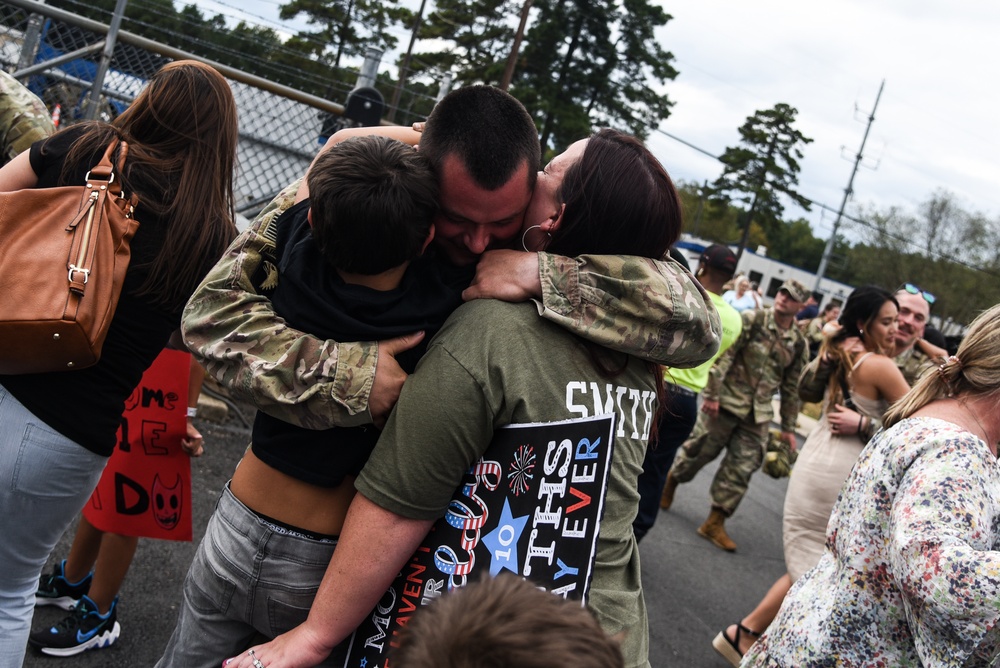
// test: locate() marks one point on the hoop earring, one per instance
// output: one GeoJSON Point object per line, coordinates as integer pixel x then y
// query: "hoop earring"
{"type": "Point", "coordinates": [524, 236]}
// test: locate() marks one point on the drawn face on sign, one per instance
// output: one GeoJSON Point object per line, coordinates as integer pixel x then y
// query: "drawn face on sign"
{"type": "Point", "coordinates": [167, 503]}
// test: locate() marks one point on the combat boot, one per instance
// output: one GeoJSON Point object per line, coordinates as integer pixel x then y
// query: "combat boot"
{"type": "Point", "coordinates": [714, 531]}
{"type": "Point", "coordinates": [667, 499]}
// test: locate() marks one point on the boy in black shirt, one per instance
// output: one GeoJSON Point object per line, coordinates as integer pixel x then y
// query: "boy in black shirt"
{"type": "Point", "coordinates": [349, 269]}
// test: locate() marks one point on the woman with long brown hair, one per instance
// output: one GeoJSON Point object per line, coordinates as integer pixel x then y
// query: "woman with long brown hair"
{"type": "Point", "coordinates": [59, 428]}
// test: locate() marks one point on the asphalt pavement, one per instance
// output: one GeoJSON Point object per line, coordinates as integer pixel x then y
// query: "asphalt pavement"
{"type": "Point", "coordinates": [692, 588]}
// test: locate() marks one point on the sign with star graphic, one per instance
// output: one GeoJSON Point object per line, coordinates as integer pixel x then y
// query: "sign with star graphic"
{"type": "Point", "coordinates": [531, 505]}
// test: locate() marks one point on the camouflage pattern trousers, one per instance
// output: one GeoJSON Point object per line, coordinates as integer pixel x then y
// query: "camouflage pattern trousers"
{"type": "Point", "coordinates": [744, 443]}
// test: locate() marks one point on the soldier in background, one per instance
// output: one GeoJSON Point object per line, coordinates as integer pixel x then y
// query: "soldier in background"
{"type": "Point", "coordinates": [813, 329]}
{"type": "Point", "coordinates": [736, 408]}
{"type": "Point", "coordinates": [23, 118]}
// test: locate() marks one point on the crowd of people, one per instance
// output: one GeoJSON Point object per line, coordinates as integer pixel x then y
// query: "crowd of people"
{"type": "Point", "coordinates": [511, 283]}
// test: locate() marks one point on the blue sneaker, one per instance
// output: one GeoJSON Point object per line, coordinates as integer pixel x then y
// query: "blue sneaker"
{"type": "Point", "coordinates": [84, 629]}
{"type": "Point", "coordinates": [55, 589]}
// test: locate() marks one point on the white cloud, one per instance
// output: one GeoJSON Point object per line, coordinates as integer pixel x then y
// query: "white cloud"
{"type": "Point", "coordinates": [934, 126]}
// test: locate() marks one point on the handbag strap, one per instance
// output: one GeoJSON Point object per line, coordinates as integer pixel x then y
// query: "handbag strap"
{"type": "Point", "coordinates": [104, 171]}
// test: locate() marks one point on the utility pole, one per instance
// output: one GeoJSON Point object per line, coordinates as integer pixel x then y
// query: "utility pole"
{"type": "Point", "coordinates": [404, 70]}
{"type": "Point", "coordinates": [828, 250]}
{"type": "Point", "coordinates": [508, 72]}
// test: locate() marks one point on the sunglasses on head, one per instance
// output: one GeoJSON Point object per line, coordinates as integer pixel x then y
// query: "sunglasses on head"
{"type": "Point", "coordinates": [915, 290]}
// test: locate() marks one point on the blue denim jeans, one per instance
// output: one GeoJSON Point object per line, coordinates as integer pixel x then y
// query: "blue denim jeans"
{"type": "Point", "coordinates": [249, 582]}
{"type": "Point", "coordinates": [45, 480]}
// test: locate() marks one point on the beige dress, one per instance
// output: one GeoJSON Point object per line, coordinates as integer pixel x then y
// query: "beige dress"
{"type": "Point", "coordinates": [820, 471]}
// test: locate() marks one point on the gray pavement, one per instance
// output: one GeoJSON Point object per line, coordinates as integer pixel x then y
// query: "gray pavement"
{"type": "Point", "coordinates": [692, 588]}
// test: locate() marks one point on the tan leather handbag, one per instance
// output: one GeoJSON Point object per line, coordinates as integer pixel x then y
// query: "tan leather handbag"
{"type": "Point", "coordinates": [63, 256]}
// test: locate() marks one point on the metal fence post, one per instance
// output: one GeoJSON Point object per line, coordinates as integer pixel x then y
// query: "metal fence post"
{"type": "Point", "coordinates": [369, 70]}
{"type": "Point", "coordinates": [94, 101]}
{"type": "Point", "coordinates": [32, 36]}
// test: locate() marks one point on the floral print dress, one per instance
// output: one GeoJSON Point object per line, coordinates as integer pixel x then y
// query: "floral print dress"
{"type": "Point", "coordinates": [911, 571]}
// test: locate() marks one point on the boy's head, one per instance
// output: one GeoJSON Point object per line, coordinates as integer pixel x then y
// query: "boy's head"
{"type": "Point", "coordinates": [505, 622]}
{"type": "Point", "coordinates": [371, 204]}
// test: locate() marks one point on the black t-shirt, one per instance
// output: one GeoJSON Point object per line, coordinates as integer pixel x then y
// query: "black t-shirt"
{"type": "Point", "coordinates": [86, 405]}
{"type": "Point", "coordinates": [312, 297]}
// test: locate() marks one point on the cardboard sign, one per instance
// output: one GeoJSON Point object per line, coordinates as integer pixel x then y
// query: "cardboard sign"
{"type": "Point", "coordinates": [146, 487]}
{"type": "Point", "coordinates": [531, 505]}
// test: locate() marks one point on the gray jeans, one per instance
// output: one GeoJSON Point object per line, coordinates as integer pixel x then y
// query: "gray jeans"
{"type": "Point", "coordinates": [248, 583]}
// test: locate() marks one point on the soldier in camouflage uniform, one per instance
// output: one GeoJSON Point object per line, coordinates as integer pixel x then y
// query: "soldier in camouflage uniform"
{"type": "Point", "coordinates": [23, 118]}
{"type": "Point", "coordinates": [911, 358]}
{"type": "Point", "coordinates": [654, 310]}
{"type": "Point", "coordinates": [736, 409]}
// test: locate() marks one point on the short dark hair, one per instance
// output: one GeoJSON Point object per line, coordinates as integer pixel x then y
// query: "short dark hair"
{"type": "Point", "coordinates": [372, 201]}
{"type": "Point", "coordinates": [509, 622]}
{"type": "Point", "coordinates": [486, 128]}
{"type": "Point", "coordinates": [619, 201]}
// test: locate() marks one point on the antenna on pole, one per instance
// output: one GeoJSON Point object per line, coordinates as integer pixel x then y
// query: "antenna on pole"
{"type": "Point", "coordinates": [828, 250]}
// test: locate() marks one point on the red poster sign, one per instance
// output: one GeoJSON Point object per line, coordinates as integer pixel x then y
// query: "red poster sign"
{"type": "Point", "coordinates": [146, 487]}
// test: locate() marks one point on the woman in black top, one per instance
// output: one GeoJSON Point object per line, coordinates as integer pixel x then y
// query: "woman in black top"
{"type": "Point", "coordinates": [59, 428]}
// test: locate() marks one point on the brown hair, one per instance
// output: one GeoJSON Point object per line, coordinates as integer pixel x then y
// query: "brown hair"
{"type": "Point", "coordinates": [505, 622]}
{"type": "Point", "coordinates": [372, 201]}
{"type": "Point", "coordinates": [973, 371]}
{"type": "Point", "coordinates": [182, 134]}
{"type": "Point", "coordinates": [619, 201]}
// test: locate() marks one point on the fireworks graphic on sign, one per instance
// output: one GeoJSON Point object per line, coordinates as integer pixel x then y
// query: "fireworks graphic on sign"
{"type": "Point", "coordinates": [522, 469]}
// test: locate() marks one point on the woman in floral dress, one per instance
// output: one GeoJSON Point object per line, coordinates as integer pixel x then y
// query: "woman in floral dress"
{"type": "Point", "coordinates": [911, 571]}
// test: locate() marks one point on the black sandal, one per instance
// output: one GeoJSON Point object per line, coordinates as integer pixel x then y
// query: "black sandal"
{"type": "Point", "coordinates": [730, 649]}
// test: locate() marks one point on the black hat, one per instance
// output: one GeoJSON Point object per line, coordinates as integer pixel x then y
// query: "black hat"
{"type": "Point", "coordinates": [719, 257]}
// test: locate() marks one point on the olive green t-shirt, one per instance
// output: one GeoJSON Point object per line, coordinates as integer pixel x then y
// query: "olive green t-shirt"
{"type": "Point", "coordinates": [495, 364]}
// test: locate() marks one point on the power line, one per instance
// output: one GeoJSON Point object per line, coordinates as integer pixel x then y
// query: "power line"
{"type": "Point", "coordinates": [859, 221]}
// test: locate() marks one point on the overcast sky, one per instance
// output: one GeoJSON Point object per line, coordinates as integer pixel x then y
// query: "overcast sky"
{"type": "Point", "coordinates": [935, 125]}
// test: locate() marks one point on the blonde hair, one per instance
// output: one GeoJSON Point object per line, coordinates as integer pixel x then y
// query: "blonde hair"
{"type": "Point", "coordinates": [974, 370]}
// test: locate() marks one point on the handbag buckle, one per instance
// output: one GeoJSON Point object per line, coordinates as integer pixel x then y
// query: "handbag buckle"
{"type": "Point", "coordinates": [73, 268]}
{"type": "Point", "coordinates": [111, 177]}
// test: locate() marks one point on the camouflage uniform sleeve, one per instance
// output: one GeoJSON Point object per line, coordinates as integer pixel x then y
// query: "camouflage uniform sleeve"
{"type": "Point", "coordinates": [248, 348]}
{"type": "Point", "coordinates": [815, 379]}
{"type": "Point", "coordinates": [790, 402]}
{"type": "Point", "coordinates": [651, 309]}
{"type": "Point", "coordinates": [23, 118]}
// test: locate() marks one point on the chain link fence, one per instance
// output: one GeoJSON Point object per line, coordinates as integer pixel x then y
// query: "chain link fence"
{"type": "Point", "coordinates": [59, 55]}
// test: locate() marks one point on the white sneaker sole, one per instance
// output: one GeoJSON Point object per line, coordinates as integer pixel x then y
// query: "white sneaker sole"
{"type": "Point", "coordinates": [64, 602]}
{"type": "Point", "coordinates": [100, 641]}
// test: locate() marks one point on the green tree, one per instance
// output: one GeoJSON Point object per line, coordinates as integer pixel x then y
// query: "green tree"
{"type": "Point", "coordinates": [894, 248]}
{"type": "Point", "coordinates": [587, 63]}
{"type": "Point", "coordinates": [764, 166]}
{"type": "Point", "coordinates": [346, 27]}
{"type": "Point", "coordinates": [472, 38]}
